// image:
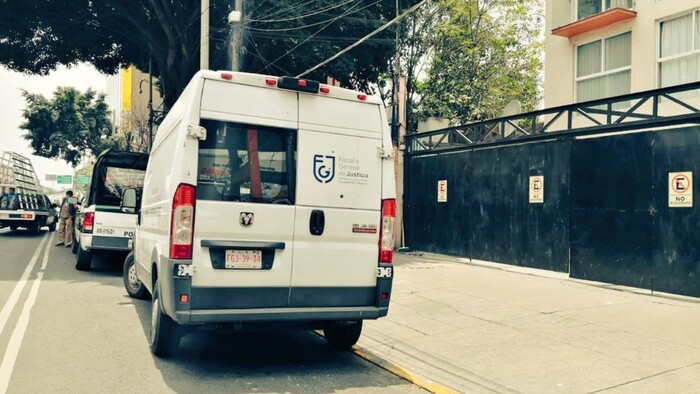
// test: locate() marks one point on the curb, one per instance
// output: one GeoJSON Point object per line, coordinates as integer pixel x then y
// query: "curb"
{"type": "Point", "coordinates": [429, 385]}
{"type": "Point", "coordinates": [426, 384]}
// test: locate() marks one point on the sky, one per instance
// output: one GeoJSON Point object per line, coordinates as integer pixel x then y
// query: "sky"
{"type": "Point", "coordinates": [12, 103]}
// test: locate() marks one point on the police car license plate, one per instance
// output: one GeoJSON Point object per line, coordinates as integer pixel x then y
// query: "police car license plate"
{"type": "Point", "coordinates": [247, 259]}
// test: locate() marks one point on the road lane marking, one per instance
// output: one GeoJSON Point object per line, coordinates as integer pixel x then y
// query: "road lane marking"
{"type": "Point", "coordinates": [17, 291]}
{"type": "Point", "coordinates": [12, 351]}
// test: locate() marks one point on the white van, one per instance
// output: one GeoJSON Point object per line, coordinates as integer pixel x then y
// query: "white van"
{"type": "Point", "coordinates": [268, 202]}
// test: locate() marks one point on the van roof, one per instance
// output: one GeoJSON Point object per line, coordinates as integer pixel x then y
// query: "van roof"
{"type": "Point", "coordinates": [272, 82]}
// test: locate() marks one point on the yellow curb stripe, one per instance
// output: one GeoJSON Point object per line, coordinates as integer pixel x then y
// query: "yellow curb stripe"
{"type": "Point", "coordinates": [392, 368]}
{"type": "Point", "coordinates": [433, 387]}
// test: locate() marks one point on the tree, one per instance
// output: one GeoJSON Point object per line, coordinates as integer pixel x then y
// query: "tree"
{"type": "Point", "coordinates": [71, 125]}
{"type": "Point", "coordinates": [480, 54]}
{"type": "Point", "coordinates": [284, 37]}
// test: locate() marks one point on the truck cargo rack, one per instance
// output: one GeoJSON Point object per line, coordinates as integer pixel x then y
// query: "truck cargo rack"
{"type": "Point", "coordinates": [16, 171]}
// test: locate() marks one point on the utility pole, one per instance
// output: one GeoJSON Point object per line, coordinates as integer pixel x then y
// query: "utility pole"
{"type": "Point", "coordinates": [204, 49]}
{"type": "Point", "coordinates": [150, 101]}
{"type": "Point", "coordinates": [235, 19]}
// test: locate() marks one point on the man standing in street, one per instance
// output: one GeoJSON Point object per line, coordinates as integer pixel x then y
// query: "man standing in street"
{"type": "Point", "coordinates": [65, 222]}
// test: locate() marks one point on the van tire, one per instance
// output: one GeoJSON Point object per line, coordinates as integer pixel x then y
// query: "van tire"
{"type": "Point", "coordinates": [52, 226]}
{"type": "Point", "coordinates": [134, 287]}
{"type": "Point", "coordinates": [345, 336]}
{"type": "Point", "coordinates": [164, 338]}
{"type": "Point", "coordinates": [83, 260]}
{"type": "Point", "coordinates": [75, 247]}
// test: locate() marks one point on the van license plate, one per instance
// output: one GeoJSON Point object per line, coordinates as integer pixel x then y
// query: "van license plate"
{"type": "Point", "coordinates": [247, 259]}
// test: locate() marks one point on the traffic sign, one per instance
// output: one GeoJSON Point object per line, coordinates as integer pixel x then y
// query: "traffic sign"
{"type": "Point", "coordinates": [82, 179]}
{"type": "Point", "coordinates": [50, 177]}
{"type": "Point", "coordinates": [680, 189]}
{"type": "Point", "coordinates": [442, 191]}
{"type": "Point", "coordinates": [64, 179]}
{"type": "Point", "coordinates": [537, 189]}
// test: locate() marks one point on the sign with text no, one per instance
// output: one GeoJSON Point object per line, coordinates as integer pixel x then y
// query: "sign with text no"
{"type": "Point", "coordinates": [680, 189]}
{"type": "Point", "coordinates": [442, 191]}
{"type": "Point", "coordinates": [537, 189]}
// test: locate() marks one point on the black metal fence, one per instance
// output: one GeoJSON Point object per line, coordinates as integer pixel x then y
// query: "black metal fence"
{"type": "Point", "coordinates": [605, 214]}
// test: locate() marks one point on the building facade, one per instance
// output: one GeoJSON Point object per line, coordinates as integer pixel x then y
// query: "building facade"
{"type": "Point", "coordinates": [603, 48]}
{"type": "Point", "coordinates": [127, 97]}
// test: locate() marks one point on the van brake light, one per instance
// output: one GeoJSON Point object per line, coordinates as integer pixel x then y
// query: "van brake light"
{"type": "Point", "coordinates": [386, 235]}
{"type": "Point", "coordinates": [182, 222]}
{"type": "Point", "coordinates": [88, 222]}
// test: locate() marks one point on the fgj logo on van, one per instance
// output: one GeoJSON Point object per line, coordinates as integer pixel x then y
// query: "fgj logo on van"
{"type": "Point", "coordinates": [246, 219]}
{"type": "Point", "coordinates": [324, 168]}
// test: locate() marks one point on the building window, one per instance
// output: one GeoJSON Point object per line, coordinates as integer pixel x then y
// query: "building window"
{"type": "Point", "coordinates": [604, 68]}
{"type": "Point", "coordinates": [679, 50]}
{"type": "Point", "coordinates": [586, 8]}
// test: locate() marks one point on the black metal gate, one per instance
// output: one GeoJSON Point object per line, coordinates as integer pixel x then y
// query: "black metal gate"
{"type": "Point", "coordinates": [605, 214]}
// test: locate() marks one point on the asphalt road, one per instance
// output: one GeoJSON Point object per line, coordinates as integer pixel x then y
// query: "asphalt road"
{"type": "Point", "coordinates": [64, 330]}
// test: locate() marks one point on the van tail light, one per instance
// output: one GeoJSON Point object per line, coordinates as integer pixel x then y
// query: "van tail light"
{"type": "Point", "coordinates": [182, 222]}
{"type": "Point", "coordinates": [88, 222]}
{"type": "Point", "coordinates": [386, 235]}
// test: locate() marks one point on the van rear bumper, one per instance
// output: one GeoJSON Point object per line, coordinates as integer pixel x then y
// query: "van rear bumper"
{"type": "Point", "coordinates": [202, 316]}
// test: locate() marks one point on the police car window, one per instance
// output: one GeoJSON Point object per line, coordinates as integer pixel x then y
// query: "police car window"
{"type": "Point", "coordinates": [246, 163]}
{"type": "Point", "coordinates": [115, 181]}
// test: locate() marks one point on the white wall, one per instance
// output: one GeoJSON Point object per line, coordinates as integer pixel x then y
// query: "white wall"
{"type": "Point", "coordinates": [560, 51]}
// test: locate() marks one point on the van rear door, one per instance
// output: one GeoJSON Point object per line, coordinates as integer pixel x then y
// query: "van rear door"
{"type": "Point", "coordinates": [244, 218]}
{"type": "Point", "coordinates": [336, 231]}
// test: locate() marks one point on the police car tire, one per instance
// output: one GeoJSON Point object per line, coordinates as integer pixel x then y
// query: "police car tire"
{"type": "Point", "coordinates": [83, 260]}
{"type": "Point", "coordinates": [343, 337]}
{"type": "Point", "coordinates": [164, 338]}
{"type": "Point", "coordinates": [139, 292]}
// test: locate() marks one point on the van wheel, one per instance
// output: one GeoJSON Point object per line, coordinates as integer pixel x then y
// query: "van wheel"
{"type": "Point", "coordinates": [164, 338]}
{"type": "Point", "coordinates": [83, 260]}
{"type": "Point", "coordinates": [75, 247]}
{"type": "Point", "coordinates": [133, 285]}
{"type": "Point", "coordinates": [345, 336]}
{"type": "Point", "coordinates": [52, 226]}
{"type": "Point", "coordinates": [35, 227]}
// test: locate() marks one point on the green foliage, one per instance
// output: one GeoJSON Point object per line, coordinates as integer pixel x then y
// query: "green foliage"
{"type": "Point", "coordinates": [283, 37]}
{"type": "Point", "coordinates": [481, 54]}
{"type": "Point", "coordinates": [70, 125]}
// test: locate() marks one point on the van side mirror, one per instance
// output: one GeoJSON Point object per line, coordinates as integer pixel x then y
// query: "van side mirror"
{"type": "Point", "coordinates": [128, 204]}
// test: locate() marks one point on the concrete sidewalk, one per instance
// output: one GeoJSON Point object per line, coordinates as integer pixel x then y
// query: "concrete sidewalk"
{"type": "Point", "coordinates": [480, 327]}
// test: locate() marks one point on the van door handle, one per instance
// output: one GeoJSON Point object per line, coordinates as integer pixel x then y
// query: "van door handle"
{"type": "Point", "coordinates": [317, 222]}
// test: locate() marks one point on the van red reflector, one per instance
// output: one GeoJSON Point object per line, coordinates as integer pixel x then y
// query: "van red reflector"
{"type": "Point", "coordinates": [301, 83]}
{"type": "Point", "coordinates": [362, 97]}
{"type": "Point", "coordinates": [184, 298]}
{"type": "Point", "coordinates": [386, 234]}
{"type": "Point", "coordinates": [88, 222]}
{"type": "Point", "coordinates": [227, 76]}
{"type": "Point", "coordinates": [182, 222]}
{"type": "Point", "coordinates": [271, 82]}
{"type": "Point", "coordinates": [325, 90]}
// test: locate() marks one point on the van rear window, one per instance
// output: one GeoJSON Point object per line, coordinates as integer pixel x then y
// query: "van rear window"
{"type": "Point", "coordinates": [246, 163]}
{"type": "Point", "coordinates": [114, 181]}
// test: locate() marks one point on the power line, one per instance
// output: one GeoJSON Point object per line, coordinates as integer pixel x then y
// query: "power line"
{"type": "Point", "coordinates": [363, 39]}
{"type": "Point", "coordinates": [348, 12]}
{"type": "Point", "coordinates": [302, 16]}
